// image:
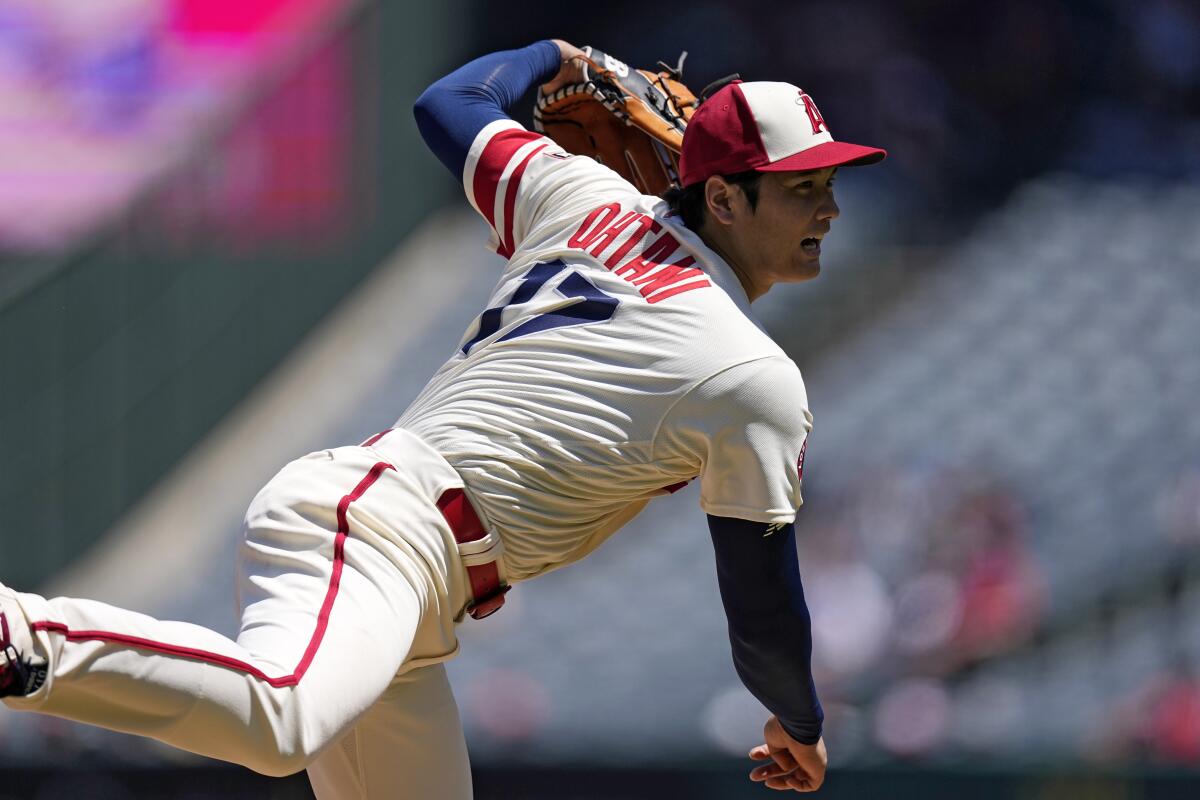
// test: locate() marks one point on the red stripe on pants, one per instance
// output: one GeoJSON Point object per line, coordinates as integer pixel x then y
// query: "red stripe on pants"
{"type": "Point", "coordinates": [339, 543]}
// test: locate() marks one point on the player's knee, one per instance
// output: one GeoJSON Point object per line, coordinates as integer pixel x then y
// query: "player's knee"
{"type": "Point", "coordinates": [292, 743]}
{"type": "Point", "coordinates": [277, 764]}
{"type": "Point", "coordinates": [279, 758]}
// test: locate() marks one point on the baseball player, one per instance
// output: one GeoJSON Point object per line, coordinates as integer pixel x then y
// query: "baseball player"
{"type": "Point", "coordinates": [617, 360]}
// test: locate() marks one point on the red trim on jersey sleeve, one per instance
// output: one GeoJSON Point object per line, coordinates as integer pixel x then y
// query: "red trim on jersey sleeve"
{"type": "Point", "coordinates": [314, 643]}
{"type": "Point", "coordinates": [495, 157]}
{"type": "Point", "coordinates": [507, 245]}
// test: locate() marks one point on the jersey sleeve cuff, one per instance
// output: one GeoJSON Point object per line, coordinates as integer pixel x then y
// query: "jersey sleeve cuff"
{"type": "Point", "coordinates": [769, 517]}
{"type": "Point", "coordinates": [492, 176]}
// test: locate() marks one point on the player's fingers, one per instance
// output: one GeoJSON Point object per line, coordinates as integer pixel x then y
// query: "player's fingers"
{"type": "Point", "coordinates": [801, 781]}
{"type": "Point", "coordinates": [784, 759]}
{"type": "Point", "coordinates": [781, 759]}
{"type": "Point", "coordinates": [783, 774]}
{"type": "Point", "coordinates": [811, 770]}
{"type": "Point", "coordinates": [779, 784]}
{"type": "Point", "coordinates": [760, 753]}
{"type": "Point", "coordinates": [795, 781]}
{"type": "Point", "coordinates": [766, 771]}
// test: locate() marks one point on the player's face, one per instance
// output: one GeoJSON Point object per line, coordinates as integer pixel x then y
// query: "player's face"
{"type": "Point", "coordinates": [784, 233]}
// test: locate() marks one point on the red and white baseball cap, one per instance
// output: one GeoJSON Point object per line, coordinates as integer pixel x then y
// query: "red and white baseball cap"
{"type": "Point", "coordinates": [766, 126]}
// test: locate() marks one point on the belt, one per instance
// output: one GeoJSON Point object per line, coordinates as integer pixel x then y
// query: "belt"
{"type": "Point", "coordinates": [479, 551]}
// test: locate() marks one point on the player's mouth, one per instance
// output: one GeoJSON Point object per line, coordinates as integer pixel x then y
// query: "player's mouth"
{"type": "Point", "coordinates": [811, 246]}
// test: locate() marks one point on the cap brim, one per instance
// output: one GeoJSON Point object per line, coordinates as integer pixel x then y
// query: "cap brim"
{"type": "Point", "coordinates": [825, 155]}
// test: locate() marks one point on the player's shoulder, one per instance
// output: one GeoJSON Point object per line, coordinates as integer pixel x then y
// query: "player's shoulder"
{"type": "Point", "coordinates": [765, 392]}
{"type": "Point", "coordinates": [757, 380]}
{"type": "Point", "coordinates": [529, 189]}
{"type": "Point", "coordinates": [506, 148]}
{"type": "Point", "coordinates": [769, 391]}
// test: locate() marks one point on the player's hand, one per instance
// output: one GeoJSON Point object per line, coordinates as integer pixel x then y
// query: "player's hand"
{"type": "Point", "coordinates": [571, 70]}
{"type": "Point", "coordinates": [795, 766]}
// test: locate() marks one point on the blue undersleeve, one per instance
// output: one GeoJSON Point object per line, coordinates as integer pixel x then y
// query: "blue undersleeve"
{"type": "Point", "coordinates": [452, 112]}
{"type": "Point", "coordinates": [769, 625]}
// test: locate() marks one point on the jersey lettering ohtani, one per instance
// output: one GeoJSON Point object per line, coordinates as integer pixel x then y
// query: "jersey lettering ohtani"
{"type": "Point", "coordinates": [616, 361]}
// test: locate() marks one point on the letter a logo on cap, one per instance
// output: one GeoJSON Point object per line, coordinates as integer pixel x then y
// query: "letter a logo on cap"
{"type": "Point", "coordinates": [814, 114]}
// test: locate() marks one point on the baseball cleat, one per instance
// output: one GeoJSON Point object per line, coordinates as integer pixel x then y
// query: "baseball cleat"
{"type": "Point", "coordinates": [20, 673]}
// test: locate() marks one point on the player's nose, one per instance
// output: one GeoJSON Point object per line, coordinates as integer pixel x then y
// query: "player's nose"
{"type": "Point", "coordinates": [829, 208]}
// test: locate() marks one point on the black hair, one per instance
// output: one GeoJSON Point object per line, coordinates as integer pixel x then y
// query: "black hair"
{"type": "Point", "coordinates": [689, 203]}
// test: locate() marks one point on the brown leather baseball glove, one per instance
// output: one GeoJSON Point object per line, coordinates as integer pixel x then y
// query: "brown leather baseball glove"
{"type": "Point", "coordinates": [630, 120]}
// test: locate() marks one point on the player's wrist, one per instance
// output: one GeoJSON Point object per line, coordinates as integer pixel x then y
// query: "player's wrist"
{"type": "Point", "coordinates": [808, 735]}
{"type": "Point", "coordinates": [570, 68]}
{"type": "Point", "coordinates": [566, 50]}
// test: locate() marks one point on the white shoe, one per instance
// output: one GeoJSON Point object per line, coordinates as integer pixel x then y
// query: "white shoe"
{"type": "Point", "coordinates": [21, 673]}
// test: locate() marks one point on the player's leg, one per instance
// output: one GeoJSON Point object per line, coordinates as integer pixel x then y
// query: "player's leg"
{"type": "Point", "coordinates": [328, 620]}
{"type": "Point", "coordinates": [408, 746]}
{"type": "Point", "coordinates": [220, 699]}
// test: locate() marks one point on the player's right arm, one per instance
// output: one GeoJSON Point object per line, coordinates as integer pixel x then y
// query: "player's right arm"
{"type": "Point", "coordinates": [771, 641]}
{"type": "Point", "coordinates": [748, 426]}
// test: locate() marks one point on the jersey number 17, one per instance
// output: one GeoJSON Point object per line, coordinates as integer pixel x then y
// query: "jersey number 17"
{"type": "Point", "coordinates": [593, 305]}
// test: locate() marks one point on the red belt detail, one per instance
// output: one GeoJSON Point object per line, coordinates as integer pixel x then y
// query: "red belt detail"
{"type": "Point", "coordinates": [484, 578]}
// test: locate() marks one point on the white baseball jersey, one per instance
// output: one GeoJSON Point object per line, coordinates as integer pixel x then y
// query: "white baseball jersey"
{"type": "Point", "coordinates": [617, 360]}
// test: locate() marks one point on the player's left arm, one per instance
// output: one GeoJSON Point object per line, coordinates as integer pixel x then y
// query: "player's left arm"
{"type": "Point", "coordinates": [453, 110]}
{"type": "Point", "coordinates": [520, 181]}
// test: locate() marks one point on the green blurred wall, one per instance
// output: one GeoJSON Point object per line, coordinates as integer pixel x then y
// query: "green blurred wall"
{"type": "Point", "coordinates": [120, 358]}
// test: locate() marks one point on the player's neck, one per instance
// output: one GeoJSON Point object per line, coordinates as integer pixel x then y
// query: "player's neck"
{"type": "Point", "coordinates": [725, 247]}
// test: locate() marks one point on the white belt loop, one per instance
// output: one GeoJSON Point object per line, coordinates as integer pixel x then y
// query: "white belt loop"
{"type": "Point", "coordinates": [481, 551]}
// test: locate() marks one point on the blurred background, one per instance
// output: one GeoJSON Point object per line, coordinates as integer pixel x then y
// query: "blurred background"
{"type": "Point", "coordinates": [222, 245]}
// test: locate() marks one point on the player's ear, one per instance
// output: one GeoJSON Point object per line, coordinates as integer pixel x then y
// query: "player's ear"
{"type": "Point", "coordinates": [718, 198]}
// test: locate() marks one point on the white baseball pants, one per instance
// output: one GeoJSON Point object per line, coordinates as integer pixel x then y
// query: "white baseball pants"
{"type": "Point", "coordinates": [350, 585]}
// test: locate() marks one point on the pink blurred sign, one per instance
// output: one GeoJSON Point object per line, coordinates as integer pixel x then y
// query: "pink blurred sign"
{"type": "Point", "coordinates": [226, 16]}
{"type": "Point", "coordinates": [98, 100]}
